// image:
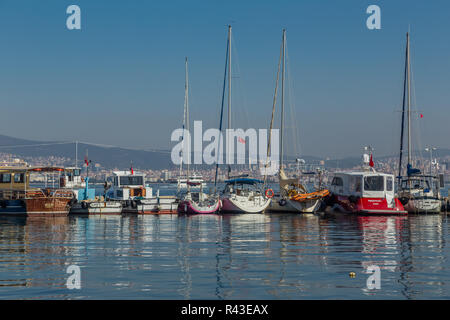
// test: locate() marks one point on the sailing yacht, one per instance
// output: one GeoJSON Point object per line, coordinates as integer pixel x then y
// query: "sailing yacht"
{"type": "Point", "coordinates": [293, 196]}
{"type": "Point", "coordinates": [194, 201]}
{"type": "Point", "coordinates": [415, 190]}
{"type": "Point", "coordinates": [241, 194]}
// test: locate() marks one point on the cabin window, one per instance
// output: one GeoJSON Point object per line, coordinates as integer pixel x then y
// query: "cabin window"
{"type": "Point", "coordinates": [374, 183]}
{"type": "Point", "coordinates": [18, 178]}
{"type": "Point", "coordinates": [389, 184]}
{"type": "Point", "coordinates": [358, 185]}
{"type": "Point", "coordinates": [76, 172]}
{"type": "Point", "coordinates": [5, 178]}
{"type": "Point", "coordinates": [337, 182]}
{"type": "Point", "coordinates": [131, 180]}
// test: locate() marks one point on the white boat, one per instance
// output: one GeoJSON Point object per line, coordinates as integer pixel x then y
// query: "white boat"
{"type": "Point", "coordinates": [98, 206]}
{"type": "Point", "coordinates": [244, 195]}
{"type": "Point", "coordinates": [194, 200]}
{"type": "Point", "coordinates": [196, 180]}
{"type": "Point", "coordinates": [130, 189]}
{"type": "Point", "coordinates": [418, 193]}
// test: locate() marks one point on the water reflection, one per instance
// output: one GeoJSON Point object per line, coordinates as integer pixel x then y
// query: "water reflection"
{"type": "Point", "coordinates": [259, 256]}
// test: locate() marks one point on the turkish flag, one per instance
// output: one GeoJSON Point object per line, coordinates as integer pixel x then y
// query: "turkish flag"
{"type": "Point", "coordinates": [371, 161]}
{"type": "Point", "coordinates": [421, 116]}
{"type": "Point", "coordinates": [86, 161]}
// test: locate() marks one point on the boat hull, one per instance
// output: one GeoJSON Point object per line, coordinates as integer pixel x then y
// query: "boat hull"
{"type": "Point", "coordinates": [45, 206]}
{"type": "Point", "coordinates": [230, 205]}
{"type": "Point", "coordinates": [367, 206]}
{"type": "Point", "coordinates": [190, 207]}
{"type": "Point", "coordinates": [157, 205]}
{"type": "Point", "coordinates": [423, 206]}
{"type": "Point", "coordinates": [97, 207]}
{"type": "Point", "coordinates": [292, 206]}
{"type": "Point", "coordinates": [13, 207]}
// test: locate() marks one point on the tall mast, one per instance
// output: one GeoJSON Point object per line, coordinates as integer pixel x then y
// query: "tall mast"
{"type": "Point", "coordinates": [229, 77]}
{"type": "Point", "coordinates": [229, 86]}
{"type": "Point", "coordinates": [403, 115]}
{"type": "Point", "coordinates": [76, 154]}
{"type": "Point", "coordinates": [409, 98]}
{"type": "Point", "coordinates": [282, 98]}
{"type": "Point", "coordinates": [186, 102]}
{"type": "Point", "coordinates": [221, 112]}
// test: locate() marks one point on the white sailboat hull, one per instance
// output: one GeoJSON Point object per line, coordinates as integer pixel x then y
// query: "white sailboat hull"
{"type": "Point", "coordinates": [237, 204]}
{"type": "Point", "coordinates": [292, 206]}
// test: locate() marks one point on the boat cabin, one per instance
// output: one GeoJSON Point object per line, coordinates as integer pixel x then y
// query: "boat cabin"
{"type": "Point", "coordinates": [243, 186]}
{"type": "Point", "coordinates": [71, 178]}
{"type": "Point", "coordinates": [125, 185]}
{"type": "Point", "coordinates": [363, 184]}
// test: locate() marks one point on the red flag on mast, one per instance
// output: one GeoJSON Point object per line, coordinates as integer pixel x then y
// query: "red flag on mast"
{"type": "Point", "coordinates": [86, 161]}
{"type": "Point", "coordinates": [131, 169]}
{"type": "Point", "coordinates": [371, 161]}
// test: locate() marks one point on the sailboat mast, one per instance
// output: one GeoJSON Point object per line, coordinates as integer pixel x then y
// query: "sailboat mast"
{"type": "Point", "coordinates": [186, 101]}
{"type": "Point", "coordinates": [221, 113]}
{"type": "Point", "coordinates": [282, 98]}
{"type": "Point", "coordinates": [403, 117]}
{"type": "Point", "coordinates": [409, 98]}
{"type": "Point", "coordinates": [229, 77]}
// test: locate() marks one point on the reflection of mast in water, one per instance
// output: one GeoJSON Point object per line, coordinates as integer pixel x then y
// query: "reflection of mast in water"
{"type": "Point", "coordinates": [182, 240]}
{"type": "Point", "coordinates": [381, 236]}
{"type": "Point", "coordinates": [427, 239]}
{"type": "Point", "coordinates": [299, 236]}
{"type": "Point", "coordinates": [191, 230]}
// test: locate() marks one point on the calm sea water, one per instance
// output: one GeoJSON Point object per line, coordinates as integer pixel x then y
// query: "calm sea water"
{"type": "Point", "coordinates": [259, 256]}
{"type": "Point", "coordinates": [253, 256]}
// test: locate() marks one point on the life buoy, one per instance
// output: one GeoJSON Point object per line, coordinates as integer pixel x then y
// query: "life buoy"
{"type": "Point", "coordinates": [269, 193]}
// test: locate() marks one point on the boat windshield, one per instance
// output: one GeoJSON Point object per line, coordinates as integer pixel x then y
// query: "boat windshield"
{"type": "Point", "coordinates": [131, 180]}
{"type": "Point", "coordinates": [374, 183]}
{"type": "Point", "coordinates": [416, 184]}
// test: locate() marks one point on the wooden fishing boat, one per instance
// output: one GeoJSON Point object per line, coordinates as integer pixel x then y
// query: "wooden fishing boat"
{"type": "Point", "coordinates": [18, 198]}
{"type": "Point", "coordinates": [49, 202]}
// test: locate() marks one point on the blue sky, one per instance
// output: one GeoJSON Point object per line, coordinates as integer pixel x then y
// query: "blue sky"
{"type": "Point", "coordinates": [120, 79]}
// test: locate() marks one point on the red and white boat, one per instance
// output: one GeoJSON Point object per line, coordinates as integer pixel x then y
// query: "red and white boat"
{"type": "Point", "coordinates": [365, 192]}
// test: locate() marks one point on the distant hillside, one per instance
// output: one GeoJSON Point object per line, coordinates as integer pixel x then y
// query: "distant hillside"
{"type": "Point", "coordinates": [109, 157]}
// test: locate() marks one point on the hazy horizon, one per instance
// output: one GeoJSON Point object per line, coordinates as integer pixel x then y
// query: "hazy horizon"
{"type": "Point", "coordinates": [120, 79]}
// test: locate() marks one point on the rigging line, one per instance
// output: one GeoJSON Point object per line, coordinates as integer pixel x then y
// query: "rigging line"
{"type": "Point", "coordinates": [273, 113]}
{"type": "Point", "coordinates": [241, 92]}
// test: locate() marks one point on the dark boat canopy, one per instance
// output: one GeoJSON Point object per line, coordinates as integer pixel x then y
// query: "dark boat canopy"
{"type": "Point", "coordinates": [243, 181]}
